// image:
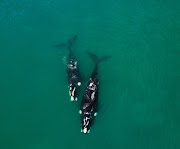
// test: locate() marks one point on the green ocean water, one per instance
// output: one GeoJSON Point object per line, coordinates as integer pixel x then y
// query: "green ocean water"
{"type": "Point", "coordinates": [139, 96]}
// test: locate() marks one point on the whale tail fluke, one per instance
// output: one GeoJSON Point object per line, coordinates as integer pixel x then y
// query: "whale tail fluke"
{"type": "Point", "coordinates": [67, 45]}
{"type": "Point", "coordinates": [96, 59]}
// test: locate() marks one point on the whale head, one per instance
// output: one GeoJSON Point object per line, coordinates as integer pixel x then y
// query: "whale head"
{"type": "Point", "coordinates": [74, 89]}
{"type": "Point", "coordinates": [86, 123]}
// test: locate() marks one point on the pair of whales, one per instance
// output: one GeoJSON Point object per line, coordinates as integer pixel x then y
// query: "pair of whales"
{"type": "Point", "coordinates": [88, 109]}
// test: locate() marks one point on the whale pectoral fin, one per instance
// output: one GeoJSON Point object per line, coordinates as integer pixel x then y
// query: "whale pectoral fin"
{"type": "Point", "coordinates": [80, 111]}
{"type": "Point", "coordinates": [79, 83]}
{"type": "Point", "coordinates": [95, 114]}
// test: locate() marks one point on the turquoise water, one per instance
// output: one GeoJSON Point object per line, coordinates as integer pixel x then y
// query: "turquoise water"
{"type": "Point", "coordinates": [139, 86]}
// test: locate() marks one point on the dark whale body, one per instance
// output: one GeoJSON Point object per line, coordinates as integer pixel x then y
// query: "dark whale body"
{"type": "Point", "coordinates": [74, 76]}
{"type": "Point", "coordinates": [89, 103]}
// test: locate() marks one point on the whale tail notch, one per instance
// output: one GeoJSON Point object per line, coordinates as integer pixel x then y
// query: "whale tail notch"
{"type": "Point", "coordinates": [96, 59]}
{"type": "Point", "coordinates": [67, 45]}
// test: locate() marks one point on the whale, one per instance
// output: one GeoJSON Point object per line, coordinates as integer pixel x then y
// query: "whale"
{"type": "Point", "coordinates": [89, 104]}
{"type": "Point", "coordinates": [73, 73]}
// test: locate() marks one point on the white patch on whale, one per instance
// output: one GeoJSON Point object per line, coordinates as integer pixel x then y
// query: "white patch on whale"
{"type": "Point", "coordinates": [84, 122]}
{"type": "Point", "coordinates": [75, 63]}
{"type": "Point", "coordinates": [80, 111]}
{"type": "Point", "coordinates": [95, 114]}
{"type": "Point", "coordinates": [87, 118]}
{"type": "Point", "coordinates": [70, 88]}
{"type": "Point", "coordinates": [71, 66]}
{"type": "Point", "coordinates": [73, 91]}
{"type": "Point", "coordinates": [92, 95]}
{"type": "Point", "coordinates": [85, 130]}
{"type": "Point", "coordinates": [72, 98]}
{"type": "Point", "coordinates": [79, 83]}
{"type": "Point", "coordinates": [90, 84]}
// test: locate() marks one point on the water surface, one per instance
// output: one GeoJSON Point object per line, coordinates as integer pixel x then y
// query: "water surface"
{"type": "Point", "coordinates": [139, 86]}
